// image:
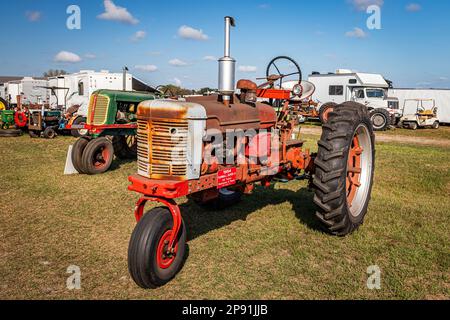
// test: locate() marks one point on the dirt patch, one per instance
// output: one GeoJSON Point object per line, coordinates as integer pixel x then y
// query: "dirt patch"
{"type": "Point", "coordinates": [389, 138]}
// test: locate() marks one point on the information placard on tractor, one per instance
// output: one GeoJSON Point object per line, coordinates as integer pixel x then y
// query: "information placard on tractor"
{"type": "Point", "coordinates": [226, 178]}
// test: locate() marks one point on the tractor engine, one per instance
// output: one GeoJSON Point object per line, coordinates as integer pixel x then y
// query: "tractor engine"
{"type": "Point", "coordinates": [173, 136]}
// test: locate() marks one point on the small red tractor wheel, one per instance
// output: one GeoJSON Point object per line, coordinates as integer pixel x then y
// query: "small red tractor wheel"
{"type": "Point", "coordinates": [324, 110]}
{"type": "Point", "coordinates": [77, 153]}
{"type": "Point", "coordinates": [20, 118]}
{"type": "Point", "coordinates": [344, 169]}
{"type": "Point", "coordinates": [150, 262]}
{"type": "Point", "coordinates": [97, 156]}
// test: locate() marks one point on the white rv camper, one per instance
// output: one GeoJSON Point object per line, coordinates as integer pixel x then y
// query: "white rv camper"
{"type": "Point", "coordinates": [440, 96]}
{"type": "Point", "coordinates": [366, 88]}
{"type": "Point", "coordinates": [32, 91]}
{"type": "Point", "coordinates": [77, 88]}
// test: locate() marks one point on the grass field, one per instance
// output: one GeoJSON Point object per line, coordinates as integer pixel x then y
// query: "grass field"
{"type": "Point", "coordinates": [267, 247]}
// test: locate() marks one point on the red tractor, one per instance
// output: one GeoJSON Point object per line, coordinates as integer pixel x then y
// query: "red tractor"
{"type": "Point", "coordinates": [213, 149]}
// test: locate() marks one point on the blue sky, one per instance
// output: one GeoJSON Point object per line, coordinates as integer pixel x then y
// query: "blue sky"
{"type": "Point", "coordinates": [412, 48]}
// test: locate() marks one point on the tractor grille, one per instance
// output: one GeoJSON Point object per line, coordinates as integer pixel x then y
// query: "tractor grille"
{"type": "Point", "coordinates": [100, 110]}
{"type": "Point", "coordinates": [162, 146]}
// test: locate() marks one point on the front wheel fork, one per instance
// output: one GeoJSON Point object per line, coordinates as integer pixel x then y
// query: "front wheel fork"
{"type": "Point", "coordinates": [174, 210]}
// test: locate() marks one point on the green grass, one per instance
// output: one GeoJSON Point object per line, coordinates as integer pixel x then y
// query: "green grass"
{"type": "Point", "coordinates": [267, 247]}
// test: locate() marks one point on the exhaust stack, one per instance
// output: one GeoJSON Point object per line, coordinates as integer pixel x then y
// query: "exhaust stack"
{"type": "Point", "coordinates": [227, 66]}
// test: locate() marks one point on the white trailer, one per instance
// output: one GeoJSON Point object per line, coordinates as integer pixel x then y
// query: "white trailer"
{"type": "Point", "coordinates": [368, 89]}
{"type": "Point", "coordinates": [440, 96]}
{"type": "Point", "coordinates": [76, 89]}
{"type": "Point", "coordinates": [31, 90]}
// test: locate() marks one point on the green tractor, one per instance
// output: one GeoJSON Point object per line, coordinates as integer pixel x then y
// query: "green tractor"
{"type": "Point", "coordinates": [112, 126]}
{"type": "Point", "coordinates": [11, 121]}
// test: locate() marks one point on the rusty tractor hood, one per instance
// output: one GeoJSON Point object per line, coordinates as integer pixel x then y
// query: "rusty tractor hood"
{"type": "Point", "coordinates": [217, 115]}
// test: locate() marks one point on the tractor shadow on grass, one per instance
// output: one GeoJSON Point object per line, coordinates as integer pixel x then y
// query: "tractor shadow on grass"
{"type": "Point", "coordinates": [200, 221]}
{"type": "Point", "coordinates": [117, 163]}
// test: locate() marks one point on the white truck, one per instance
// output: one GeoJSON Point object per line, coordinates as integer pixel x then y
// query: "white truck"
{"type": "Point", "coordinates": [440, 96]}
{"type": "Point", "coordinates": [366, 88]}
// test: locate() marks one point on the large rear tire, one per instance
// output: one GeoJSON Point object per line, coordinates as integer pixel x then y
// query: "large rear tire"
{"type": "Point", "coordinates": [125, 147]}
{"type": "Point", "coordinates": [97, 156]}
{"type": "Point", "coordinates": [148, 264]}
{"type": "Point", "coordinates": [344, 169]}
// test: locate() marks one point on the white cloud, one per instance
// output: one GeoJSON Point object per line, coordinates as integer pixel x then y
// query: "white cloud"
{"type": "Point", "coordinates": [139, 35]}
{"type": "Point", "coordinates": [413, 7]}
{"type": "Point", "coordinates": [443, 78]}
{"type": "Point", "coordinates": [90, 56]}
{"type": "Point", "coordinates": [362, 5]}
{"type": "Point", "coordinates": [210, 58]}
{"type": "Point", "coordinates": [33, 16]}
{"type": "Point", "coordinates": [356, 33]}
{"type": "Point", "coordinates": [116, 13]}
{"type": "Point", "coordinates": [178, 63]}
{"type": "Point", "coordinates": [187, 32]}
{"type": "Point", "coordinates": [177, 82]}
{"type": "Point", "coordinates": [146, 68]}
{"type": "Point", "coordinates": [66, 56]}
{"type": "Point", "coordinates": [248, 69]}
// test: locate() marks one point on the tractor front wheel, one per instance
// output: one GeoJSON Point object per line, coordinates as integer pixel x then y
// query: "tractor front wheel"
{"type": "Point", "coordinates": [77, 153]}
{"type": "Point", "coordinates": [150, 263]}
{"type": "Point", "coordinates": [344, 169]}
{"type": "Point", "coordinates": [97, 156]}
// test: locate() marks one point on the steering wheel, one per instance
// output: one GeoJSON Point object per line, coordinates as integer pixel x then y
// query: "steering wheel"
{"type": "Point", "coordinates": [274, 72]}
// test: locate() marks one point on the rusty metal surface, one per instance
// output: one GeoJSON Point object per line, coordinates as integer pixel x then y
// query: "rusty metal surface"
{"type": "Point", "coordinates": [237, 115]}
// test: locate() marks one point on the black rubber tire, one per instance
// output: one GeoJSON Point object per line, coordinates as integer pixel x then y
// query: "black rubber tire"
{"type": "Point", "coordinates": [142, 249]}
{"type": "Point", "coordinates": [77, 153]}
{"type": "Point", "coordinates": [10, 133]}
{"type": "Point", "coordinates": [324, 108]}
{"type": "Point", "coordinates": [435, 125]}
{"type": "Point", "coordinates": [76, 133]}
{"type": "Point", "coordinates": [34, 134]}
{"type": "Point", "coordinates": [49, 133]}
{"type": "Point", "coordinates": [122, 149]}
{"type": "Point", "coordinates": [89, 156]}
{"type": "Point", "coordinates": [381, 113]}
{"type": "Point", "coordinates": [222, 202]}
{"type": "Point", "coordinates": [413, 125]}
{"type": "Point", "coordinates": [331, 169]}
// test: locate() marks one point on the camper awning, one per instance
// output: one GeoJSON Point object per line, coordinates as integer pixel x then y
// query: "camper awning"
{"type": "Point", "coordinates": [372, 80]}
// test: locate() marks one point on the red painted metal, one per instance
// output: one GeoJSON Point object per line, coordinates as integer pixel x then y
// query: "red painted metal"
{"type": "Point", "coordinates": [158, 188]}
{"type": "Point", "coordinates": [20, 118]}
{"type": "Point", "coordinates": [226, 178]}
{"type": "Point", "coordinates": [174, 210]}
{"type": "Point", "coordinates": [164, 257]}
{"type": "Point", "coordinates": [274, 94]}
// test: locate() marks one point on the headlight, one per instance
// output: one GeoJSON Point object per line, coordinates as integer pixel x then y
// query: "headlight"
{"type": "Point", "coordinates": [297, 90]}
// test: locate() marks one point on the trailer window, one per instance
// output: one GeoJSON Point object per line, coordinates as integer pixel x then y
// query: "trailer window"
{"type": "Point", "coordinates": [336, 90]}
{"type": "Point", "coordinates": [360, 94]}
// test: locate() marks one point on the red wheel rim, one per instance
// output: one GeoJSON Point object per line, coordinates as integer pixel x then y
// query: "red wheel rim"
{"type": "Point", "coordinates": [354, 170]}
{"type": "Point", "coordinates": [164, 259]}
{"type": "Point", "coordinates": [101, 157]}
